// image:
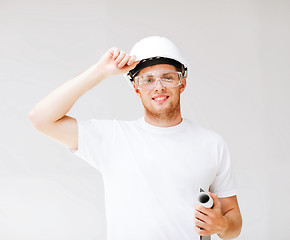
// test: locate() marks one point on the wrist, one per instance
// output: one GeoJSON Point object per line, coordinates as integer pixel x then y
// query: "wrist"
{"type": "Point", "coordinates": [98, 70]}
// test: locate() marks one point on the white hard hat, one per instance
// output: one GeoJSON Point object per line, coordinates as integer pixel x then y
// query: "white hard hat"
{"type": "Point", "coordinates": [156, 50]}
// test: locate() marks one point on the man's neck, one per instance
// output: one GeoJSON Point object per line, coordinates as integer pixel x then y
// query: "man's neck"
{"type": "Point", "coordinates": [163, 121]}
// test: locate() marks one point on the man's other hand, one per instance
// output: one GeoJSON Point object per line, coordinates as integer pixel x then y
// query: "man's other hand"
{"type": "Point", "coordinates": [210, 221]}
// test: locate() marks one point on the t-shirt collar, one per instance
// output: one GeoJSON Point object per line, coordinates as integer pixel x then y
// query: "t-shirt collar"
{"type": "Point", "coordinates": [162, 130]}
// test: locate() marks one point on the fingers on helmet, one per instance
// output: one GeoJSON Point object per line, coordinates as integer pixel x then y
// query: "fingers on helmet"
{"type": "Point", "coordinates": [131, 60]}
{"type": "Point", "coordinates": [124, 61]}
{"type": "Point", "coordinates": [116, 53]}
{"type": "Point", "coordinates": [120, 57]}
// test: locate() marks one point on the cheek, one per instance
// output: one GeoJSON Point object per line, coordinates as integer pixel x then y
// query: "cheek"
{"type": "Point", "coordinates": [144, 97]}
{"type": "Point", "coordinates": [177, 93]}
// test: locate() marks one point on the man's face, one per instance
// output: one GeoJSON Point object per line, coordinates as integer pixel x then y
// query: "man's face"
{"type": "Point", "coordinates": [161, 101]}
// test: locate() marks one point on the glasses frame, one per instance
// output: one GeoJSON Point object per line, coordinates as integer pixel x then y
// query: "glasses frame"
{"type": "Point", "coordinates": [180, 77]}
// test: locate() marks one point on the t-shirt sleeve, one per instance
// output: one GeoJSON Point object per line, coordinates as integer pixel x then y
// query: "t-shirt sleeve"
{"type": "Point", "coordinates": [224, 184]}
{"type": "Point", "coordinates": [94, 141]}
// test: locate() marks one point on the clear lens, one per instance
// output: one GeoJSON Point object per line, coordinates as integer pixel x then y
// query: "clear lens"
{"type": "Point", "coordinates": [168, 79]}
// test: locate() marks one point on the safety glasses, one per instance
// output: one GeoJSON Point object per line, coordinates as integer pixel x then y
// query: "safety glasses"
{"type": "Point", "coordinates": [168, 79]}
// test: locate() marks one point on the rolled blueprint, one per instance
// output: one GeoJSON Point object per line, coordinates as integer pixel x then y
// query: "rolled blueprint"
{"type": "Point", "coordinates": [204, 199]}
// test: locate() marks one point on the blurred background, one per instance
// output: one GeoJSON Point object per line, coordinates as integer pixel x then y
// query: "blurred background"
{"type": "Point", "coordinates": [238, 86]}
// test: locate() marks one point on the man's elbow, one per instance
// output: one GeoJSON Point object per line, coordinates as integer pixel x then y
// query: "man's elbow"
{"type": "Point", "coordinates": [32, 119]}
{"type": "Point", "coordinates": [240, 224]}
{"type": "Point", "coordinates": [38, 123]}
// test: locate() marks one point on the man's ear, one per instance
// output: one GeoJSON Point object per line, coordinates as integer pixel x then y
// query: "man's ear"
{"type": "Point", "coordinates": [183, 85]}
{"type": "Point", "coordinates": [137, 91]}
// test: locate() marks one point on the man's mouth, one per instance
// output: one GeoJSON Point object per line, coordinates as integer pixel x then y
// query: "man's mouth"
{"type": "Point", "coordinates": [160, 98]}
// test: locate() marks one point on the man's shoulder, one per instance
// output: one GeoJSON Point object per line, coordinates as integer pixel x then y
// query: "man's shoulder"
{"type": "Point", "coordinates": [204, 131]}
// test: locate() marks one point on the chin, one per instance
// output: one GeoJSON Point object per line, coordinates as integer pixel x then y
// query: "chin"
{"type": "Point", "coordinates": [162, 111]}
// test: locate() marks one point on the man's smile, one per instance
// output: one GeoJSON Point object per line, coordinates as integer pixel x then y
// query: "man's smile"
{"type": "Point", "coordinates": [160, 98]}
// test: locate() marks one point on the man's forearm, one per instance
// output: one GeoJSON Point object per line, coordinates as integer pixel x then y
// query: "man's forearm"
{"type": "Point", "coordinates": [59, 102]}
{"type": "Point", "coordinates": [234, 225]}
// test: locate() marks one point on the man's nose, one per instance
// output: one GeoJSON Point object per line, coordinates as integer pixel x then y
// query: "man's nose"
{"type": "Point", "coordinates": [159, 85]}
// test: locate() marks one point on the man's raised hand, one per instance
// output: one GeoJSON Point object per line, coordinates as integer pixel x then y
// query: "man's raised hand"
{"type": "Point", "coordinates": [115, 62]}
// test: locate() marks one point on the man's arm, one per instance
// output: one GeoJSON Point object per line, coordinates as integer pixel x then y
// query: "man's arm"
{"type": "Point", "coordinates": [231, 212]}
{"type": "Point", "coordinates": [49, 115]}
{"type": "Point", "coordinates": [223, 219]}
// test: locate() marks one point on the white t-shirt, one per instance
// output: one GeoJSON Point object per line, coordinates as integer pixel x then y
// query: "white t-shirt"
{"type": "Point", "coordinates": [152, 175]}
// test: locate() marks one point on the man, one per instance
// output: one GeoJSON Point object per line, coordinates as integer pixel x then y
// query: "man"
{"type": "Point", "coordinates": [154, 167]}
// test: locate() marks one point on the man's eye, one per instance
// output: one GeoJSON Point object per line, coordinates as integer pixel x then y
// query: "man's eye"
{"type": "Point", "coordinates": [148, 80]}
{"type": "Point", "coordinates": [168, 78]}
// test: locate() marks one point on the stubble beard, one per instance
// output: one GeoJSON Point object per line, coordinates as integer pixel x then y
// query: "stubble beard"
{"type": "Point", "coordinates": [169, 113]}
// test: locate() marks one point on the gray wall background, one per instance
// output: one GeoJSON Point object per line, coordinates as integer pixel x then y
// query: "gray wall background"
{"type": "Point", "coordinates": [238, 85]}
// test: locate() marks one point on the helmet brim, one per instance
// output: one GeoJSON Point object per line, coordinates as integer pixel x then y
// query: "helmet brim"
{"type": "Point", "coordinates": [154, 61]}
